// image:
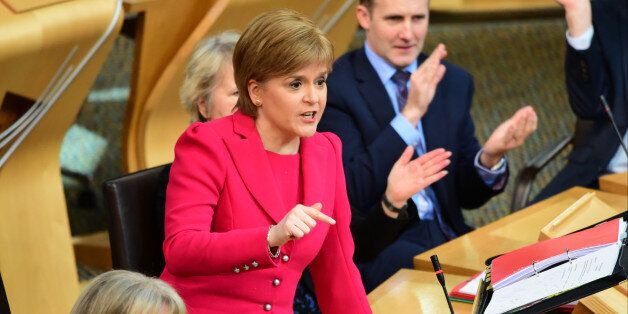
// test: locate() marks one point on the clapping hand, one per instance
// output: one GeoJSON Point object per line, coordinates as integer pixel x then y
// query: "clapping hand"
{"type": "Point", "coordinates": [408, 177]}
{"type": "Point", "coordinates": [297, 223]}
{"type": "Point", "coordinates": [423, 83]}
{"type": "Point", "coordinates": [512, 133]}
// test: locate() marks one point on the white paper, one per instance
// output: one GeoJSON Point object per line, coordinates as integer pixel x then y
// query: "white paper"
{"type": "Point", "coordinates": [556, 280]}
{"type": "Point", "coordinates": [472, 286]}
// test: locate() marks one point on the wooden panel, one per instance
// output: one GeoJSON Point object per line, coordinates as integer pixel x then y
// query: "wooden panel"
{"type": "Point", "coordinates": [412, 291]}
{"type": "Point", "coordinates": [36, 260]}
{"type": "Point", "coordinates": [19, 6]}
{"type": "Point", "coordinates": [466, 254]}
{"type": "Point", "coordinates": [615, 183]}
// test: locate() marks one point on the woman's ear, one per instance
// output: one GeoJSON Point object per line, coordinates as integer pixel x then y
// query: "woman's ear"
{"type": "Point", "coordinates": [255, 92]}
{"type": "Point", "coordinates": [203, 110]}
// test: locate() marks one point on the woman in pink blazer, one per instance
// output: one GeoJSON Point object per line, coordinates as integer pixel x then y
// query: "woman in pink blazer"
{"type": "Point", "coordinates": [256, 197]}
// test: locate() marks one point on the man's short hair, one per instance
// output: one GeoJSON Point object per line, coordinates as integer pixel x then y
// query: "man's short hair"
{"type": "Point", "coordinates": [367, 3]}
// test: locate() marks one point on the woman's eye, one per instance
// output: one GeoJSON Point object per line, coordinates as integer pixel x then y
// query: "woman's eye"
{"type": "Point", "coordinates": [321, 82]}
{"type": "Point", "coordinates": [295, 84]}
{"type": "Point", "coordinates": [235, 93]}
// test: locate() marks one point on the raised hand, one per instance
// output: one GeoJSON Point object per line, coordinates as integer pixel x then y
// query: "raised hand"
{"type": "Point", "coordinates": [423, 83]}
{"type": "Point", "coordinates": [297, 223]}
{"type": "Point", "coordinates": [577, 15]}
{"type": "Point", "coordinates": [512, 133]}
{"type": "Point", "coordinates": [408, 177]}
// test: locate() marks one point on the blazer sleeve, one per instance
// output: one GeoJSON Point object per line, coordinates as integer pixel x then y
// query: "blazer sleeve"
{"type": "Point", "coordinates": [337, 282]}
{"type": "Point", "coordinates": [196, 182]}
{"type": "Point", "coordinates": [587, 77]}
{"type": "Point", "coordinates": [471, 189]}
{"type": "Point", "coordinates": [369, 244]}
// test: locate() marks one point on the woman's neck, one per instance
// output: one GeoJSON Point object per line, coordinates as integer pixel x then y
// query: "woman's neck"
{"type": "Point", "coordinates": [273, 140]}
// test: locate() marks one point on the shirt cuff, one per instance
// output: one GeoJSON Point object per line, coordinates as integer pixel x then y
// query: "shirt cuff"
{"type": "Point", "coordinates": [409, 134]}
{"type": "Point", "coordinates": [582, 42]}
{"type": "Point", "coordinates": [492, 178]}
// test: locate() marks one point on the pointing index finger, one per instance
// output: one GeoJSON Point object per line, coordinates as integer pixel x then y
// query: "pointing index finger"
{"type": "Point", "coordinates": [314, 212]}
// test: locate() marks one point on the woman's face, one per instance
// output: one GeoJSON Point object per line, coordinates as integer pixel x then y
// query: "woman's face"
{"type": "Point", "coordinates": [292, 105]}
{"type": "Point", "coordinates": [223, 96]}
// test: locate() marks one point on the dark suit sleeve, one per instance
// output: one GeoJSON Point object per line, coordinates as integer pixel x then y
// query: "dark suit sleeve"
{"type": "Point", "coordinates": [367, 161]}
{"type": "Point", "coordinates": [587, 77]}
{"type": "Point", "coordinates": [369, 244]}
{"type": "Point", "coordinates": [472, 191]}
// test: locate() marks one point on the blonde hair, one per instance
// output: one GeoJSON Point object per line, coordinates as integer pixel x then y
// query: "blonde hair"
{"type": "Point", "coordinates": [200, 73]}
{"type": "Point", "coordinates": [275, 44]}
{"type": "Point", "coordinates": [122, 291]}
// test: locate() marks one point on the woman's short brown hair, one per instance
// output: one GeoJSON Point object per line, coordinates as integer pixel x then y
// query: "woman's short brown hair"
{"type": "Point", "coordinates": [275, 44]}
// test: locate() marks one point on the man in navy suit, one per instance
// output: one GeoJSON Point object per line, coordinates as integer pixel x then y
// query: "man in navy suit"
{"type": "Point", "coordinates": [596, 64]}
{"type": "Point", "coordinates": [386, 96]}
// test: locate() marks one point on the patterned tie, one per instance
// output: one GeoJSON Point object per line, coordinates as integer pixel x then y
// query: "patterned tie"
{"type": "Point", "coordinates": [400, 78]}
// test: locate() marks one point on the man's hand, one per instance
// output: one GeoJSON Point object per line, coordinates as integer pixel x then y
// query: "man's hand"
{"type": "Point", "coordinates": [423, 83]}
{"type": "Point", "coordinates": [512, 133]}
{"type": "Point", "coordinates": [297, 223]}
{"type": "Point", "coordinates": [577, 15]}
{"type": "Point", "coordinates": [408, 177]}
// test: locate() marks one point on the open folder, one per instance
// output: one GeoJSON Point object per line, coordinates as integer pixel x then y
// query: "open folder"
{"type": "Point", "coordinates": [548, 274]}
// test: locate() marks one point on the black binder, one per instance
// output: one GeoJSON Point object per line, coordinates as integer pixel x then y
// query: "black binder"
{"type": "Point", "coordinates": [620, 273]}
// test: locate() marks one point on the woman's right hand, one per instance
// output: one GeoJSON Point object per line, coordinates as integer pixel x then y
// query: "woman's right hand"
{"type": "Point", "coordinates": [297, 223]}
{"type": "Point", "coordinates": [408, 177]}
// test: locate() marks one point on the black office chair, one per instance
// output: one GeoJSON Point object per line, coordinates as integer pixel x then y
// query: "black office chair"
{"type": "Point", "coordinates": [526, 176]}
{"type": "Point", "coordinates": [135, 233]}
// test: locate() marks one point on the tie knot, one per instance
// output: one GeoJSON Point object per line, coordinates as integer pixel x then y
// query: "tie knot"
{"type": "Point", "coordinates": [401, 77]}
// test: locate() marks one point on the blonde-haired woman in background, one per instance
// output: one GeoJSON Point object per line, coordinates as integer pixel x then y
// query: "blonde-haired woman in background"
{"type": "Point", "coordinates": [209, 91]}
{"type": "Point", "coordinates": [122, 291]}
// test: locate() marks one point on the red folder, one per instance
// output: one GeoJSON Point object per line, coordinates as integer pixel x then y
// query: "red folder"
{"type": "Point", "coordinates": [562, 248]}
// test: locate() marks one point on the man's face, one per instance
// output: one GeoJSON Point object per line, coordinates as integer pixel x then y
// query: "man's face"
{"type": "Point", "coordinates": [395, 29]}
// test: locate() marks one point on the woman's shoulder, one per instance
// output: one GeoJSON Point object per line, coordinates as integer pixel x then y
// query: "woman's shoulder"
{"type": "Point", "coordinates": [328, 139]}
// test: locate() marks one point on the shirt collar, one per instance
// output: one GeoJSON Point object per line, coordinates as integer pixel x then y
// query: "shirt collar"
{"type": "Point", "coordinates": [383, 69]}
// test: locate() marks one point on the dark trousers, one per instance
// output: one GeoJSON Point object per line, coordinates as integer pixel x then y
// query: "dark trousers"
{"type": "Point", "coordinates": [420, 237]}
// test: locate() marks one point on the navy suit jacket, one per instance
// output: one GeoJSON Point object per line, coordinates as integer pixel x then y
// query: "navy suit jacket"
{"type": "Point", "coordinates": [359, 111]}
{"type": "Point", "coordinates": [600, 70]}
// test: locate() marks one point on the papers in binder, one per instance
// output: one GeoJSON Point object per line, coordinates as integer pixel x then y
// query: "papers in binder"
{"type": "Point", "coordinates": [562, 278]}
{"type": "Point", "coordinates": [527, 261]}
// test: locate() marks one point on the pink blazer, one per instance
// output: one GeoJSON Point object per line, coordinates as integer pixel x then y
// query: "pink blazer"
{"type": "Point", "coordinates": [220, 204]}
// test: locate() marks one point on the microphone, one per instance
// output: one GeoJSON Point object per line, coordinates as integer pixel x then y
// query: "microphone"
{"type": "Point", "coordinates": [441, 280]}
{"type": "Point", "coordinates": [607, 109]}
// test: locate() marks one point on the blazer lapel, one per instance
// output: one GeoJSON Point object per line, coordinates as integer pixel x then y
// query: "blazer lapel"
{"type": "Point", "coordinates": [314, 170]}
{"type": "Point", "coordinates": [372, 89]}
{"type": "Point", "coordinates": [252, 163]}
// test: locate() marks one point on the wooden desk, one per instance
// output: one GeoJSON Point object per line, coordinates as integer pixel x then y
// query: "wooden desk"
{"type": "Point", "coordinates": [466, 254]}
{"type": "Point", "coordinates": [414, 291]}
{"type": "Point", "coordinates": [615, 183]}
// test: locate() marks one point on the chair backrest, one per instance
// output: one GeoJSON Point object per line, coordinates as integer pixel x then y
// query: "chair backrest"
{"type": "Point", "coordinates": [135, 233]}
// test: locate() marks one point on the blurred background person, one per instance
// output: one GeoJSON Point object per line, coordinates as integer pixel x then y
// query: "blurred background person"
{"type": "Point", "coordinates": [122, 291]}
{"type": "Point", "coordinates": [246, 191]}
{"type": "Point", "coordinates": [596, 64]}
